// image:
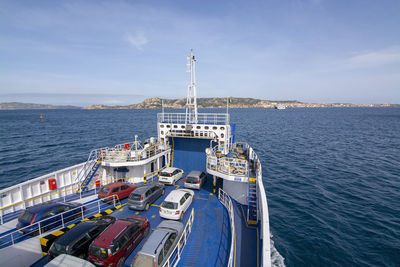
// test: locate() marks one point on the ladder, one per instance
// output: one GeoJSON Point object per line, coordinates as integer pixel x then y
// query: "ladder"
{"type": "Point", "coordinates": [89, 176]}
{"type": "Point", "coordinates": [90, 168]}
{"type": "Point", "coordinates": [252, 208]}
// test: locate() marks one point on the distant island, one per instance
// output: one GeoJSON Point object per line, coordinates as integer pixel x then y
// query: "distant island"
{"type": "Point", "coordinates": [19, 105]}
{"type": "Point", "coordinates": [217, 102]}
{"type": "Point", "coordinates": [235, 102]}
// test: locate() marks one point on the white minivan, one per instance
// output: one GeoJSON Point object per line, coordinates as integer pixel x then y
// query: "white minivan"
{"type": "Point", "coordinates": [170, 175]}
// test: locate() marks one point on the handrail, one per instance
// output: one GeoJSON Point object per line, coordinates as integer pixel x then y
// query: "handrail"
{"type": "Point", "coordinates": [181, 243]}
{"type": "Point", "coordinates": [225, 199]}
{"type": "Point", "coordinates": [94, 155]}
{"type": "Point", "coordinates": [202, 118]}
{"type": "Point", "coordinates": [75, 189]}
{"type": "Point", "coordinates": [60, 220]}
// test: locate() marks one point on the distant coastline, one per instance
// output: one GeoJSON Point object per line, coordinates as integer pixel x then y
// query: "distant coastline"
{"type": "Point", "coordinates": [156, 103]}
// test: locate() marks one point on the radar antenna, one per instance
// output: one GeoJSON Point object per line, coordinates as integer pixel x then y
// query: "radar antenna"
{"type": "Point", "coordinates": [191, 99]}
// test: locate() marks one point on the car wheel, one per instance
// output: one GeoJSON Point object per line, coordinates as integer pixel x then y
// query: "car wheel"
{"type": "Point", "coordinates": [147, 206]}
{"type": "Point", "coordinates": [121, 262]}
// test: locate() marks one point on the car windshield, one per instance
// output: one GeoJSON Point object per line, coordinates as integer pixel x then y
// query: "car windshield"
{"type": "Point", "coordinates": [143, 260]}
{"type": "Point", "coordinates": [98, 252]}
{"type": "Point", "coordinates": [165, 174]}
{"type": "Point", "coordinates": [26, 216]}
{"type": "Point", "coordinates": [170, 205]}
{"type": "Point", "coordinates": [59, 248]}
{"type": "Point", "coordinates": [105, 190]}
{"type": "Point", "coordinates": [135, 197]}
{"type": "Point", "coordinates": [192, 180]}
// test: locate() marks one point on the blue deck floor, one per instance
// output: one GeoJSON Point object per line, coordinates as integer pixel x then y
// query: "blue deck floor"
{"type": "Point", "coordinates": [209, 241]}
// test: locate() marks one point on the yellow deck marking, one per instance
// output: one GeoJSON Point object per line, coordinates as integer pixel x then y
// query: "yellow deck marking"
{"type": "Point", "coordinates": [84, 220]}
{"type": "Point", "coordinates": [177, 186]}
{"type": "Point", "coordinates": [153, 216]}
{"type": "Point", "coordinates": [44, 253]}
{"type": "Point", "coordinates": [211, 194]}
{"type": "Point", "coordinates": [58, 233]}
{"type": "Point", "coordinates": [156, 205]}
{"type": "Point", "coordinates": [121, 209]}
{"type": "Point", "coordinates": [108, 211]}
{"type": "Point", "coordinates": [137, 212]}
{"type": "Point", "coordinates": [97, 215]}
{"type": "Point", "coordinates": [43, 241]}
{"type": "Point", "coordinates": [70, 226]}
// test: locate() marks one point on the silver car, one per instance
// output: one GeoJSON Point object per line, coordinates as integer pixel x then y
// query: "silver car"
{"type": "Point", "coordinates": [142, 197]}
{"type": "Point", "coordinates": [160, 245]}
{"type": "Point", "coordinates": [195, 180]}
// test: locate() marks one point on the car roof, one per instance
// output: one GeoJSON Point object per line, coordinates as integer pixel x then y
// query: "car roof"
{"type": "Point", "coordinates": [43, 206]}
{"type": "Point", "coordinates": [75, 232]}
{"type": "Point", "coordinates": [176, 195]}
{"type": "Point", "coordinates": [106, 237]}
{"type": "Point", "coordinates": [152, 245]}
{"type": "Point", "coordinates": [142, 189]}
{"type": "Point", "coordinates": [158, 235]}
{"type": "Point", "coordinates": [116, 184]}
{"type": "Point", "coordinates": [195, 173]}
{"type": "Point", "coordinates": [169, 169]}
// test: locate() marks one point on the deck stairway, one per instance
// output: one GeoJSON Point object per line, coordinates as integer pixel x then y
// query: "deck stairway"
{"type": "Point", "coordinates": [90, 168]}
{"type": "Point", "coordinates": [252, 216]}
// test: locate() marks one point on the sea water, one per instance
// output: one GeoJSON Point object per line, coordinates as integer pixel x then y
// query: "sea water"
{"type": "Point", "coordinates": [332, 175]}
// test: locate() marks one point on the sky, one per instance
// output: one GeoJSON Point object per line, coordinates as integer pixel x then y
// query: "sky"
{"type": "Point", "coordinates": [122, 52]}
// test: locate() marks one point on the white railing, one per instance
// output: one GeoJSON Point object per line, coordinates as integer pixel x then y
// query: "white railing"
{"type": "Point", "coordinates": [192, 133]}
{"type": "Point", "coordinates": [94, 155]}
{"type": "Point", "coordinates": [119, 154]}
{"type": "Point", "coordinates": [225, 199]}
{"type": "Point", "coordinates": [263, 213]}
{"type": "Point", "coordinates": [202, 118]}
{"type": "Point", "coordinates": [229, 166]}
{"type": "Point", "coordinates": [175, 256]}
{"type": "Point", "coordinates": [57, 221]}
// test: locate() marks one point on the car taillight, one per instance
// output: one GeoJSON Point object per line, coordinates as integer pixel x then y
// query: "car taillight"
{"type": "Point", "coordinates": [185, 180]}
{"type": "Point", "coordinates": [141, 197]}
{"type": "Point", "coordinates": [33, 219]}
{"type": "Point", "coordinates": [170, 175]}
{"type": "Point", "coordinates": [198, 181]}
{"type": "Point", "coordinates": [177, 212]}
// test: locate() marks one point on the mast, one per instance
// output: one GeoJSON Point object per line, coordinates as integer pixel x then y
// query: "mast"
{"type": "Point", "coordinates": [191, 99]}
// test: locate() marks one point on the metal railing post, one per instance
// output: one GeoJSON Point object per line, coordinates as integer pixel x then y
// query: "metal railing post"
{"type": "Point", "coordinates": [40, 230]}
{"type": "Point", "coordinates": [82, 212]}
{"type": "Point", "coordinates": [12, 239]}
{"type": "Point", "coordinates": [98, 204]}
{"type": "Point", "coordinates": [62, 219]}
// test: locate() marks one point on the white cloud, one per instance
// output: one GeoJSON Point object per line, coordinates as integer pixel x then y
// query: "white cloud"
{"type": "Point", "coordinates": [138, 40]}
{"type": "Point", "coordinates": [374, 58]}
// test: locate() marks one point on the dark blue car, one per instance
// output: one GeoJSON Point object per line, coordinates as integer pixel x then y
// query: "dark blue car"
{"type": "Point", "coordinates": [46, 213]}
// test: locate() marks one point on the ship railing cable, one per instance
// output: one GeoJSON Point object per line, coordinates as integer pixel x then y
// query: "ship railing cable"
{"type": "Point", "coordinates": [226, 200]}
{"type": "Point", "coordinates": [9, 212]}
{"type": "Point", "coordinates": [58, 221]}
{"type": "Point", "coordinates": [175, 256]}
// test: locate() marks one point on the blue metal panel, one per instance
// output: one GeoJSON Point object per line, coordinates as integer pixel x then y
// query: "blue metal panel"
{"type": "Point", "coordinates": [189, 153]}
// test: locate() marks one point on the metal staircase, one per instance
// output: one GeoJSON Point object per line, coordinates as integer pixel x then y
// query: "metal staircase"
{"type": "Point", "coordinates": [90, 168]}
{"type": "Point", "coordinates": [252, 214]}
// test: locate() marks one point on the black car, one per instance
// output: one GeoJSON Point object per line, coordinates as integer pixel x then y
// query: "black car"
{"type": "Point", "coordinates": [76, 241]}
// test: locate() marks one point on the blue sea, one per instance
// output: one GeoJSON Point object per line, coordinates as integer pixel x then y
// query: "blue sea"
{"type": "Point", "coordinates": [332, 175]}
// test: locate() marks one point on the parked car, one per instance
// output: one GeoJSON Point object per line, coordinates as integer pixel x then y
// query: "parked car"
{"type": "Point", "coordinates": [142, 197]}
{"type": "Point", "coordinates": [76, 241]}
{"type": "Point", "coordinates": [122, 190]}
{"type": "Point", "coordinates": [45, 213]}
{"type": "Point", "coordinates": [170, 175]}
{"type": "Point", "coordinates": [176, 204]}
{"type": "Point", "coordinates": [160, 245]}
{"type": "Point", "coordinates": [116, 243]}
{"type": "Point", "coordinates": [195, 180]}
{"type": "Point", "coordinates": [65, 260]}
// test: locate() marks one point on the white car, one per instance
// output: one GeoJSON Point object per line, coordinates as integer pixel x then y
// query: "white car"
{"type": "Point", "coordinates": [176, 204]}
{"type": "Point", "coordinates": [170, 175]}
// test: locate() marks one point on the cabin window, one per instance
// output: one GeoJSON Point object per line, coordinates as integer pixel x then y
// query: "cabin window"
{"type": "Point", "coordinates": [206, 127]}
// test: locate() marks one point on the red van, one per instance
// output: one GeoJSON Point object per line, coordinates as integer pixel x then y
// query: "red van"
{"type": "Point", "coordinates": [117, 242]}
{"type": "Point", "coordinates": [122, 190]}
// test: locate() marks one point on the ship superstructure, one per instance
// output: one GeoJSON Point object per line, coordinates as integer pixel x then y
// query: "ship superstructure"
{"type": "Point", "coordinates": [228, 224]}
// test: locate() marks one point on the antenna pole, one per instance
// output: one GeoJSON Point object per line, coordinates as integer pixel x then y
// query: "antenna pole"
{"type": "Point", "coordinates": [191, 99]}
